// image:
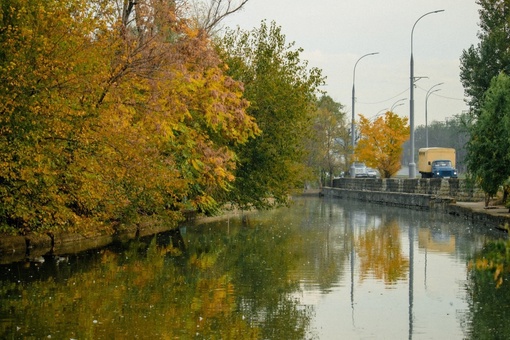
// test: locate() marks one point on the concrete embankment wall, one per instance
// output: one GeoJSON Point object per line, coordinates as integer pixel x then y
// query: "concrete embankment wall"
{"type": "Point", "coordinates": [414, 201]}
{"type": "Point", "coordinates": [450, 196]}
{"type": "Point", "coordinates": [430, 193]}
{"type": "Point", "coordinates": [458, 189]}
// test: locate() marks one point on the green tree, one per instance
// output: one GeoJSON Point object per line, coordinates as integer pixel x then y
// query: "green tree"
{"type": "Point", "coordinates": [492, 54]}
{"type": "Point", "coordinates": [488, 158]}
{"type": "Point", "coordinates": [282, 92]}
{"type": "Point", "coordinates": [328, 148]}
{"type": "Point", "coordinates": [381, 142]}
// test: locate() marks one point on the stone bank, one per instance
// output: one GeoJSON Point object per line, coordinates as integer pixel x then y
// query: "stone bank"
{"type": "Point", "coordinates": [452, 196]}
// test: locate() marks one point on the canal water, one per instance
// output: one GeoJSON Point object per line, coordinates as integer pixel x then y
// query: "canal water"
{"type": "Point", "coordinates": [320, 269]}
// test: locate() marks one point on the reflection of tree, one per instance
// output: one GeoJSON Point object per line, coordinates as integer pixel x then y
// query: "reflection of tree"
{"type": "Point", "coordinates": [316, 258]}
{"type": "Point", "coordinates": [380, 253]}
{"type": "Point", "coordinates": [489, 296]}
{"type": "Point", "coordinates": [492, 262]}
{"type": "Point", "coordinates": [218, 287]}
{"type": "Point", "coordinates": [322, 261]}
{"type": "Point", "coordinates": [260, 262]}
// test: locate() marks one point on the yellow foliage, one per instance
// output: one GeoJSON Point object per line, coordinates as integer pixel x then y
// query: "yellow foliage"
{"type": "Point", "coordinates": [381, 142]}
{"type": "Point", "coordinates": [380, 252]}
{"type": "Point", "coordinates": [483, 264]}
{"type": "Point", "coordinates": [101, 122]}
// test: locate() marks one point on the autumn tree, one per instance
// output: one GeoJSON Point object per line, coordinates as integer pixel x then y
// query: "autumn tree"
{"type": "Point", "coordinates": [328, 148]}
{"type": "Point", "coordinates": [282, 93]}
{"type": "Point", "coordinates": [51, 71]}
{"type": "Point", "coordinates": [109, 113]}
{"type": "Point", "coordinates": [203, 112]}
{"type": "Point", "coordinates": [381, 142]}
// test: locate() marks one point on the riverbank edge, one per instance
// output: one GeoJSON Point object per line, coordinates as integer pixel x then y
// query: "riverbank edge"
{"type": "Point", "coordinates": [34, 247]}
{"type": "Point", "coordinates": [495, 216]}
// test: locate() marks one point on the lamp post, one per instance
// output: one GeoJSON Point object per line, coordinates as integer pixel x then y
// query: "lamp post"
{"type": "Point", "coordinates": [379, 113]}
{"type": "Point", "coordinates": [429, 92]}
{"type": "Point", "coordinates": [353, 140]}
{"type": "Point", "coordinates": [395, 104]}
{"type": "Point", "coordinates": [412, 164]}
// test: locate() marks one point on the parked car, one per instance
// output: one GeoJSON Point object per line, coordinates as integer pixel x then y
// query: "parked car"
{"type": "Point", "coordinates": [372, 173]}
{"type": "Point", "coordinates": [360, 170]}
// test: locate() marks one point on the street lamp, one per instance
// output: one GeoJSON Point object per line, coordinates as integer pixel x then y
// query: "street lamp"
{"type": "Point", "coordinates": [396, 105]}
{"type": "Point", "coordinates": [380, 112]}
{"type": "Point", "coordinates": [353, 169]}
{"type": "Point", "coordinates": [412, 164]}
{"type": "Point", "coordinates": [377, 115]}
{"type": "Point", "coordinates": [429, 92]}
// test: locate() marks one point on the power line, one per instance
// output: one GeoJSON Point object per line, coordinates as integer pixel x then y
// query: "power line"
{"type": "Point", "coordinates": [441, 96]}
{"type": "Point", "coordinates": [385, 100]}
{"type": "Point", "coordinates": [406, 90]}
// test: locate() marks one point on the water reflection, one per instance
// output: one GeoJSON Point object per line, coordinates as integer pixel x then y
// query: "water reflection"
{"type": "Point", "coordinates": [323, 269]}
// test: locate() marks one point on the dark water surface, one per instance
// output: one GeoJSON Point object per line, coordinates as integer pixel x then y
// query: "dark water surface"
{"type": "Point", "coordinates": [321, 269]}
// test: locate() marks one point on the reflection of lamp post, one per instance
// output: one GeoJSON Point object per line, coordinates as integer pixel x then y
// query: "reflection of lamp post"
{"type": "Point", "coordinates": [412, 164]}
{"type": "Point", "coordinates": [429, 92]}
{"type": "Point", "coordinates": [352, 170]}
{"type": "Point", "coordinates": [351, 220]}
{"type": "Point", "coordinates": [411, 280]}
{"type": "Point", "coordinates": [396, 105]}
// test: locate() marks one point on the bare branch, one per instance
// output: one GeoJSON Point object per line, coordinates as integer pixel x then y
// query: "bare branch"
{"type": "Point", "coordinates": [126, 11]}
{"type": "Point", "coordinates": [219, 10]}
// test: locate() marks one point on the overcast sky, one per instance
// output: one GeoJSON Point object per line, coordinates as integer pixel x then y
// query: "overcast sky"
{"type": "Point", "coordinates": [336, 33]}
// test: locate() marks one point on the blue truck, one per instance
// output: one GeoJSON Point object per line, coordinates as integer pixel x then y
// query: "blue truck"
{"type": "Point", "coordinates": [437, 163]}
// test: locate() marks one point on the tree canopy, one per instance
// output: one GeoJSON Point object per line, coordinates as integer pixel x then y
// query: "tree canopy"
{"type": "Point", "coordinates": [328, 148]}
{"type": "Point", "coordinates": [492, 54]}
{"type": "Point", "coordinates": [109, 112]}
{"type": "Point", "coordinates": [488, 159]}
{"type": "Point", "coordinates": [282, 92]}
{"type": "Point", "coordinates": [484, 75]}
{"type": "Point", "coordinates": [381, 142]}
{"type": "Point", "coordinates": [114, 112]}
